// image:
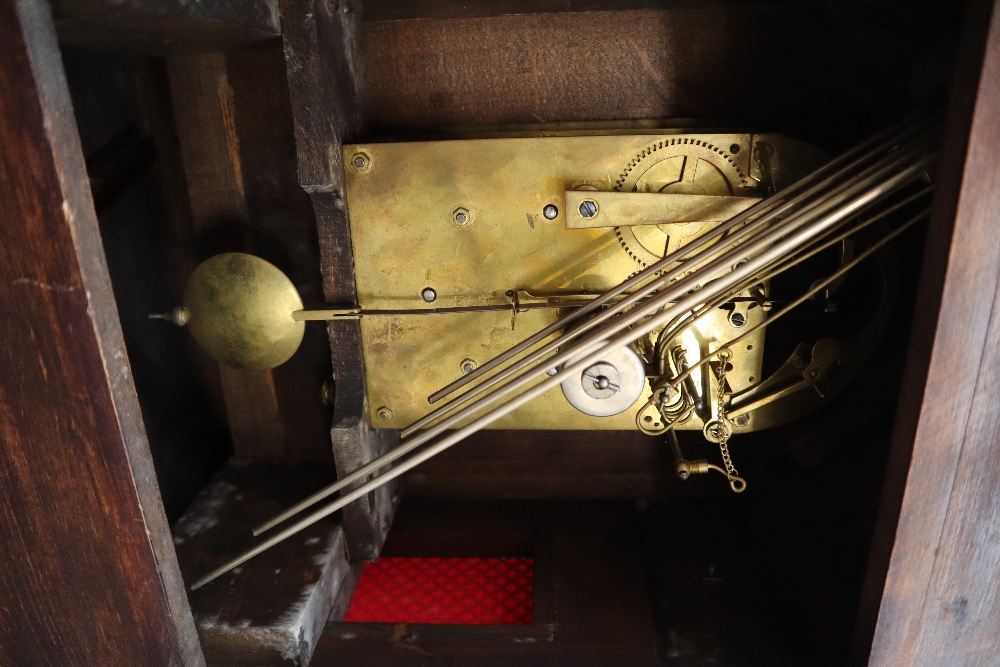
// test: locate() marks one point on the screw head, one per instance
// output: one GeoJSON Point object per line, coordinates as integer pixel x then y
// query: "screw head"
{"type": "Point", "coordinates": [737, 319]}
{"type": "Point", "coordinates": [384, 414]}
{"type": "Point", "coordinates": [461, 216]}
{"type": "Point", "coordinates": [360, 161]}
{"type": "Point", "coordinates": [588, 208]}
{"type": "Point", "coordinates": [742, 420]}
{"type": "Point", "coordinates": [469, 365]}
{"type": "Point", "coordinates": [550, 212]}
{"type": "Point", "coordinates": [327, 393]}
{"type": "Point", "coordinates": [429, 294]}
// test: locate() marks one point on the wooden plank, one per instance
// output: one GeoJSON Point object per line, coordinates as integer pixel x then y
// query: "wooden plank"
{"type": "Point", "coordinates": [462, 66]}
{"type": "Point", "coordinates": [284, 233]}
{"type": "Point", "coordinates": [166, 27]}
{"type": "Point", "coordinates": [271, 609]}
{"type": "Point", "coordinates": [205, 116]}
{"type": "Point", "coordinates": [394, 10]}
{"type": "Point", "coordinates": [367, 520]}
{"type": "Point", "coordinates": [553, 464]}
{"type": "Point", "coordinates": [940, 597]}
{"type": "Point", "coordinates": [235, 133]}
{"type": "Point", "coordinates": [89, 575]}
{"type": "Point", "coordinates": [319, 42]}
{"type": "Point", "coordinates": [324, 81]}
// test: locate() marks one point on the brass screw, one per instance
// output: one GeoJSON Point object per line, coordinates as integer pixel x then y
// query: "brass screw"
{"type": "Point", "coordinates": [326, 392]}
{"type": "Point", "coordinates": [360, 161]}
{"type": "Point", "coordinates": [384, 414]}
{"type": "Point", "coordinates": [461, 216]}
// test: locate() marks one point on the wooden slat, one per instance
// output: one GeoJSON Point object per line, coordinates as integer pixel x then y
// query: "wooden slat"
{"type": "Point", "coordinates": [234, 128]}
{"type": "Point", "coordinates": [166, 27]}
{"type": "Point", "coordinates": [204, 110]}
{"type": "Point", "coordinates": [271, 609]}
{"type": "Point", "coordinates": [941, 599]}
{"type": "Point", "coordinates": [323, 65]}
{"type": "Point", "coordinates": [553, 464]}
{"type": "Point", "coordinates": [759, 64]}
{"type": "Point", "coordinates": [393, 10]}
{"type": "Point", "coordinates": [89, 573]}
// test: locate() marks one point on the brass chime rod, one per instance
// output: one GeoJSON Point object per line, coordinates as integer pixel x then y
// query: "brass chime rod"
{"type": "Point", "coordinates": [411, 444]}
{"type": "Point", "coordinates": [594, 348]}
{"type": "Point", "coordinates": [404, 448]}
{"type": "Point", "coordinates": [786, 236]}
{"type": "Point", "coordinates": [674, 329]}
{"type": "Point", "coordinates": [812, 291]}
{"type": "Point", "coordinates": [828, 173]}
{"type": "Point", "coordinates": [813, 210]}
{"type": "Point", "coordinates": [353, 313]}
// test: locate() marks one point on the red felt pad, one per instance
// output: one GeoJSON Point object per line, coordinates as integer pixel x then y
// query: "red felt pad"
{"type": "Point", "coordinates": [465, 591]}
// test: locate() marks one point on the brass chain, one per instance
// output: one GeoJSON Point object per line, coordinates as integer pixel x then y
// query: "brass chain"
{"type": "Point", "coordinates": [720, 429]}
{"type": "Point", "coordinates": [724, 440]}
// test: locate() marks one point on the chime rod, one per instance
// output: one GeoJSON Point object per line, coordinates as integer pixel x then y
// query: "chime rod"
{"type": "Point", "coordinates": [781, 266]}
{"type": "Point", "coordinates": [815, 289]}
{"type": "Point", "coordinates": [842, 164]}
{"type": "Point", "coordinates": [415, 442]}
{"type": "Point", "coordinates": [595, 349]}
{"type": "Point", "coordinates": [327, 314]}
{"type": "Point", "coordinates": [422, 438]}
{"type": "Point", "coordinates": [676, 292]}
{"type": "Point", "coordinates": [815, 209]}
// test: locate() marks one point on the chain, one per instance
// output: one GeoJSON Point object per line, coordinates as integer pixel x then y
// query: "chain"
{"type": "Point", "coordinates": [720, 429]}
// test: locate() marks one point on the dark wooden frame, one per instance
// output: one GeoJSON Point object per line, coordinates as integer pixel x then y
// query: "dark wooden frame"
{"type": "Point", "coordinates": [90, 574]}
{"type": "Point", "coordinates": [89, 571]}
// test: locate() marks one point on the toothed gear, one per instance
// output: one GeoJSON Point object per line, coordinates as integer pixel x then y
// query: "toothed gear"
{"type": "Point", "coordinates": [684, 165]}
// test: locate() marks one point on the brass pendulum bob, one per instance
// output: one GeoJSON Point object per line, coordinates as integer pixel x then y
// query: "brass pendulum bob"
{"type": "Point", "coordinates": [239, 309]}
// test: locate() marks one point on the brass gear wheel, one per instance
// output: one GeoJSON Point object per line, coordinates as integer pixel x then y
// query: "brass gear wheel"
{"type": "Point", "coordinates": [682, 165]}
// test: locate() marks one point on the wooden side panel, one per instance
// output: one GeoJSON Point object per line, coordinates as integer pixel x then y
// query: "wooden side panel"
{"type": "Point", "coordinates": [324, 81]}
{"type": "Point", "coordinates": [941, 600]}
{"type": "Point", "coordinates": [89, 573]}
{"type": "Point", "coordinates": [806, 70]}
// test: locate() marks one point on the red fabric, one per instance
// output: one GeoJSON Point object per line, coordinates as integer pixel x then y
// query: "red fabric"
{"type": "Point", "coordinates": [466, 591]}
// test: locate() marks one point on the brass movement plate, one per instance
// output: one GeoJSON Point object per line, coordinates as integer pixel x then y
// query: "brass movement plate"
{"type": "Point", "coordinates": [466, 219]}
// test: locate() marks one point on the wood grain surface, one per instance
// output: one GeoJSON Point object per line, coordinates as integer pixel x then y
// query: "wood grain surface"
{"type": "Point", "coordinates": [324, 83]}
{"type": "Point", "coordinates": [271, 609]}
{"type": "Point", "coordinates": [166, 27]}
{"type": "Point", "coordinates": [234, 129]}
{"type": "Point", "coordinates": [204, 109]}
{"type": "Point", "coordinates": [825, 73]}
{"type": "Point", "coordinates": [941, 598]}
{"type": "Point", "coordinates": [89, 573]}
